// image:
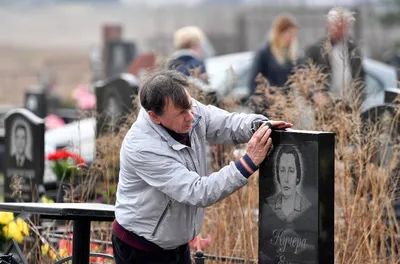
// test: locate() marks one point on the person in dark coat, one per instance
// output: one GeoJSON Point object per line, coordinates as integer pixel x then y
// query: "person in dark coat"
{"type": "Point", "coordinates": [339, 57]}
{"type": "Point", "coordinates": [276, 59]}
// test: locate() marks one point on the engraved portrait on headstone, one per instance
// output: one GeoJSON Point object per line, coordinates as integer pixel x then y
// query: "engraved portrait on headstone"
{"type": "Point", "coordinates": [24, 159]}
{"type": "Point", "coordinates": [21, 145]}
{"type": "Point", "coordinates": [119, 54]}
{"type": "Point", "coordinates": [36, 101]}
{"type": "Point", "coordinates": [296, 198]}
{"type": "Point", "coordinates": [118, 58]}
{"type": "Point", "coordinates": [288, 203]}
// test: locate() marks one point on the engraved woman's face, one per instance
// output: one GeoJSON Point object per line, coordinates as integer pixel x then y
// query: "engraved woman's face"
{"type": "Point", "coordinates": [287, 174]}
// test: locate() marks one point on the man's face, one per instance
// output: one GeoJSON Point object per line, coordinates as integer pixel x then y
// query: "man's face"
{"type": "Point", "coordinates": [339, 29]}
{"type": "Point", "coordinates": [20, 141]}
{"type": "Point", "coordinates": [287, 174]}
{"type": "Point", "coordinates": [176, 118]}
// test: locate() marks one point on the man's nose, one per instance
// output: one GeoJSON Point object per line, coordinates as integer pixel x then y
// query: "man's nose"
{"type": "Point", "coordinates": [190, 116]}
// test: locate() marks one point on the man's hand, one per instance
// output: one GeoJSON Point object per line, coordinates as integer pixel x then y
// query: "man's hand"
{"type": "Point", "coordinates": [280, 124]}
{"type": "Point", "coordinates": [259, 144]}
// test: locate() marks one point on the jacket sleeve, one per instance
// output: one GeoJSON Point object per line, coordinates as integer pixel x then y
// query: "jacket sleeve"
{"type": "Point", "coordinates": [357, 69]}
{"type": "Point", "coordinates": [312, 53]}
{"type": "Point", "coordinates": [170, 176]}
{"type": "Point", "coordinates": [223, 127]}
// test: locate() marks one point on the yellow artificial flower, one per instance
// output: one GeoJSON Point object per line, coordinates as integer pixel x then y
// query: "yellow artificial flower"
{"type": "Point", "coordinates": [52, 255]}
{"type": "Point", "coordinates": [6, 217]}
{"type": "Point", "coordinates": [63, 253]}
{"type": "Point", "coordinates": [11, 231]}
{"type": "Point", "coordinates": [23, 226]}
{"type": "Point", "coordinates": [45, 249]}
{"type": "Point", "coordinates": [47, 200]}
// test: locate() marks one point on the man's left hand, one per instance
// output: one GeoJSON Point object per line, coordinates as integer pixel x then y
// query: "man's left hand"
{"type": "Point", "coordinates": [280, 124]}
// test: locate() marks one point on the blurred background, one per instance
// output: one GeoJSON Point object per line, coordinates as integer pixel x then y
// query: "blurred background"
{"type": "Point", "coordinates": [61, 39]}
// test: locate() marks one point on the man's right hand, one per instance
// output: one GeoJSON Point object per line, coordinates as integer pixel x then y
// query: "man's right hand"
{"type": "Point", "coordinates": [259, 144]}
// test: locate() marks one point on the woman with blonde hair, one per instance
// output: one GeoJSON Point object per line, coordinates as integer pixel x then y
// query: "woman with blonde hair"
{"type": "Point", "coordinates": [275, 61]}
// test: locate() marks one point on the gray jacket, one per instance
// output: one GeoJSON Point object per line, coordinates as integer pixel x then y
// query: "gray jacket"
{"type": "Point", "coordinates": [163, 185]}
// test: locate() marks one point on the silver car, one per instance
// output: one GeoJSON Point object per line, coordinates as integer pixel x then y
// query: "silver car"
{"type": "Point", "coordinates": [229, 75]}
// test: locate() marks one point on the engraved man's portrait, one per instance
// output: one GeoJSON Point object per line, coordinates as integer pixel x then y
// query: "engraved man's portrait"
{"type": "Point", "coordinates": [21, 145]}
{"type": "Point", "coordinates": [288, 203]}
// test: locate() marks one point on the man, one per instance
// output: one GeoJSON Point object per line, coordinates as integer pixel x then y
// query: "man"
{"type": "Point", "coordinates": [163, 183]}
{"type": "Point", "coordinates": [340, 58]}
{"type": "Point", "coordinates": [19, 159]}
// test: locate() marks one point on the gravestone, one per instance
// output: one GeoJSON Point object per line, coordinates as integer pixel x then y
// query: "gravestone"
{"type": "Point", "coordinates": [119, 55]}
{"type": "Point", "coordinates": [296, 220]}
{"type": "Point", "coordinates": [114, 102]}
{"type": "Point", "coordinates": [24, 155]}
{"type": "Point", "coordinates": [36, 102]}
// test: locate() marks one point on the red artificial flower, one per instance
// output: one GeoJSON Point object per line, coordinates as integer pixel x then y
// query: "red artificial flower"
{"type": "Point", "coordinates": [93, 248]}
{"type": "Point", "coordinates": [204, 242]}
{"type": "Point", "coordinates": [66, 244]}
{"type": "Point", "coordinates": [63, 154]}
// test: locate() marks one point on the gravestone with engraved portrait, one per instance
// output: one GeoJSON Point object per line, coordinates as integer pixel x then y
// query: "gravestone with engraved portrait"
{"type": "Point", "coordinates": [296, 220]}
{"type": "Point", "coordinates": [24, 155]}
{"type": "Point", "coordinates": [36, 102]}
{"type": "Point", "coordinates": [114, 101]}
{"type": "Point", "coordinates": [119, 55]}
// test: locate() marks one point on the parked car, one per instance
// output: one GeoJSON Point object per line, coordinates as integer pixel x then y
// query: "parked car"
{"type": "Point", "coordinates": [78, 136]}
{"type": "Point", "coordinates": [229, 75]}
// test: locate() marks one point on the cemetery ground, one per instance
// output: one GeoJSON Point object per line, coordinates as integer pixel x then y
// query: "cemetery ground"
{"type": "Point", "coordinates": [366, 228]}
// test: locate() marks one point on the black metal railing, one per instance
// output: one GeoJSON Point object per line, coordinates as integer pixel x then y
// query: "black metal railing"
{"type": "Point", "coordinates": [200, 257]}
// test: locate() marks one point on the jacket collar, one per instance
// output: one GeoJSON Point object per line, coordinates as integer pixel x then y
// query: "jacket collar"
{"type": "Point", "coordinates": [164, 133]}
{"type": "Point", "coordinates": [185, 52]}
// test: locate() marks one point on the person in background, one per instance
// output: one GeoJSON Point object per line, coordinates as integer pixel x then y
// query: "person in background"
{"type": "Point", "coordinates": [192, 46]}
{"type": "Point", "coordinates": [188, 57]}
{"type": "Point", "coordinates": [164, 185]}
{"type": "Point", "coordinates": [339, 57]}
{"type": "Point", "coordinates": [275, 60]}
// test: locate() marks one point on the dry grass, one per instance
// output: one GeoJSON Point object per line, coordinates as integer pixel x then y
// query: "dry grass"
{"type": "Point", "coordinates": [366, 230]}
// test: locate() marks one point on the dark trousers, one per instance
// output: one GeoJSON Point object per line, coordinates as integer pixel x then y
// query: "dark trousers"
{"type": "Point", "coordinates": [125, 254]}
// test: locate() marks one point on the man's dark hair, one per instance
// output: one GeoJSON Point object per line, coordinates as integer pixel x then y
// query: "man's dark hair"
{"type": "Point", "coordinates": [20, 127]}
{"type": "Point", "coordinates": [289, 149]}
{"type": "Point", "coordinates": [161, 85]}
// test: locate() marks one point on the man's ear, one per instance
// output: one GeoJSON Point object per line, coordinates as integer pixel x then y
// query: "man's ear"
{"type": "Point", "coordinates": [154, 117]}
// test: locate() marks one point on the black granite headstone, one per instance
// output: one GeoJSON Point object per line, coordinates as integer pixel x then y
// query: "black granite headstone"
{"type": "Point", "coordinates": [114, 99]}
{"type": "Point", "coordinates": [296, 220]}
{"type": "Point", "coordinates": [24, 155]}
{"type": "Point", "coordinates": [36, 102]}
{"type": "Point", "coordinates": [119, 54]}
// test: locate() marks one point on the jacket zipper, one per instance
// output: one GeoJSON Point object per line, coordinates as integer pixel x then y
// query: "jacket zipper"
{"type": "Point", "coordinates": [161, 218]}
